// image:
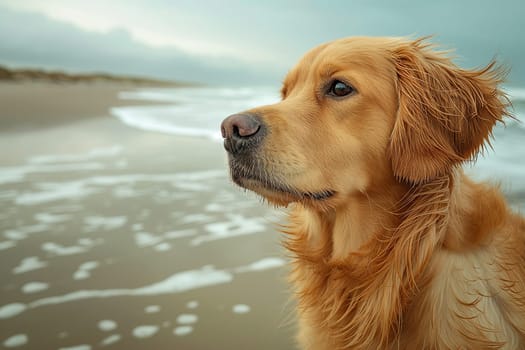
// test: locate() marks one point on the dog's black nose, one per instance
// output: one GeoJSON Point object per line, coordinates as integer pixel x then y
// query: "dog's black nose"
{"type": "Point", "coordinates": [240, 125]}
{"type": "Point", "coordinates": [241, 132]}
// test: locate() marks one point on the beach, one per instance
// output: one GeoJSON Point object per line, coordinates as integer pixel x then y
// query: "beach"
{"type": "Point", "coordinates": [120, 228]}
{"type": "Point", "coordinates": [128, 239]}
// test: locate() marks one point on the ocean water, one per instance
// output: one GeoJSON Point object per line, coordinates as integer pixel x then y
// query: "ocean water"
{"type": "Point", "coordinates": [198, 112]}
{"type": "Point", "coordinates": [191, 111]}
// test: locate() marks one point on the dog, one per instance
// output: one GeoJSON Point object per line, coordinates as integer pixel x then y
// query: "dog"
{"type": "Point", "coordinates": [392, 245]}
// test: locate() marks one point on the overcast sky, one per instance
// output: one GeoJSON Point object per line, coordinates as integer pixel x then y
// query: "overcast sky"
{"type": "Point", "coordinates": [243, 42]}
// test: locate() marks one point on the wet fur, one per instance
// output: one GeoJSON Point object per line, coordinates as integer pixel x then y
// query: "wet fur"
{"type": "Point", "coordinates": [406, 252]}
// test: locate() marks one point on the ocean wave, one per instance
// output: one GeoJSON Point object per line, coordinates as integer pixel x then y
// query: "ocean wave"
{"type": "Point", "coordinates": [201, 94]}
{"type": "Point", "coordinates": [516, 94]}
{"type": "Point", "coordinates": [141, 119]}
{"type": "Point", "coordinates": [195, 112]}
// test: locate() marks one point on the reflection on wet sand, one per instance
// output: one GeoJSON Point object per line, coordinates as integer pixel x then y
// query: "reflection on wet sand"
{"type": "Point", "coordinates": [134, 252]}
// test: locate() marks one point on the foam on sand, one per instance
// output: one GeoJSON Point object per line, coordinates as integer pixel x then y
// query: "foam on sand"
{"type": "Point", "coordinates": [261, 265]}
{"type": "Point", "coordinates": [152, 309]}
{"type": "Point", "coordinates": [77, 347]}
{"type": "Point", "coordinates": [81, 188]}
{"type": "Point", "coordinates": [145, 331]}
{"type": "Point", "coordinates": [182, 330]}
{"type": "Point", "coordinates": [7, 244]}
{"type": "Point", "coordinates": [23, 232]}
{"type": "Point", "coordinates": [34, 287]}
{"type": "Point", "coordinates": [29, 264]}
{"type": "Point", "coordinates": [241, 309]}
{"type": "Point", "coordinates": [177, 283]}
{"type": "Point", "coordinates": [18, 173]}
{"type": "Point", "coordinates": [11, 310]}
{"type": "Point", "coordinates": [107, 325]}
{"type": "Point", "coordinates": [50, 218]}
{"type": "Point", "coordinates": [95, 153]}
{"type": "Point", "coordinates": [193, 304]}
{"type": "Point", "coordinates": [60, 250]}
{"type": "Point", "coordinates": [187, 319]}
{"type": "Point", "coordinates": [112, 339]}
{"type": "Point", "coordinates": [15, 341]}
{"type": "Point", "coordinates": [107, 223]}
{"type": "Point", "coordinates": [237, 225]}
{"type": "Point", "coordinates": [84, 270]}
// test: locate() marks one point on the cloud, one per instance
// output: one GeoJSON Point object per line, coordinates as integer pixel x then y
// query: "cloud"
{"type": "Point", "coordinates": [242, 42]}
{"type": "Point", "coordinates": [29, 39]}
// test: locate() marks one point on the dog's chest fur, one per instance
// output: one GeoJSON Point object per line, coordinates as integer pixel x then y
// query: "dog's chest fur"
{"type": "Point", "coordinates": [461, 301]}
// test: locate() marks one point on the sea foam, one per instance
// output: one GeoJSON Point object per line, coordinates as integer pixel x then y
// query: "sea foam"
{"type": "Point", "coordinates": [195, 112]}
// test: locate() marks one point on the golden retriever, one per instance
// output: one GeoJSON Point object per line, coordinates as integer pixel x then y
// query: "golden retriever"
{"type": "Point", "coordinates": [393, 246]}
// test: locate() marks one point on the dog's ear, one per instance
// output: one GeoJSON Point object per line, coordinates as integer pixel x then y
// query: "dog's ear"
{"type": "Point", "coordinates": [445, 114]}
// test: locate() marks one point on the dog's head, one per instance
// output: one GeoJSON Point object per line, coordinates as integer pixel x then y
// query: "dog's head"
{"type": "Point", "coordinates": [358, 112]}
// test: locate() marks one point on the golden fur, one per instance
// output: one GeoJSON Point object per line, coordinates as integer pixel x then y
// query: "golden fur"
{"type": "Point", "coordinates": [402, 250]}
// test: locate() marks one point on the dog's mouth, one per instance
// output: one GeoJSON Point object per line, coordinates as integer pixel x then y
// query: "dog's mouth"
{"type": "Point", "coordinates": [273, 188]}
{"type": "Point", "coordinates": [277, 188]}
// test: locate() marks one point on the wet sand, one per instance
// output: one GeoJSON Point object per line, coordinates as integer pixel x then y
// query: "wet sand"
{"type": "Point", "coordinates": [118, 238]}
{"type": "Point", "coordinates": [35, 105]}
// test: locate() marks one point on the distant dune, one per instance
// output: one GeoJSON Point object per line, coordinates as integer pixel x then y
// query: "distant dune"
{"type": "Point", "coordinates": [7, 74]}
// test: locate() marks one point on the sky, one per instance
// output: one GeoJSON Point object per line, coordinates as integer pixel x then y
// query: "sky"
{"type": "Point", "coordinates": [243, 42]}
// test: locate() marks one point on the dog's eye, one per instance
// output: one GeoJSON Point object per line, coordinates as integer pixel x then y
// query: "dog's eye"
{"type": "Point", "coordinates": [340, 89]}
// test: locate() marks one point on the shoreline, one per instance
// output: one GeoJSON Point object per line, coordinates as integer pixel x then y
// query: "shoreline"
{"type": "Point", "coordinates": [35, 105]}
{"type": "Point", "coordinates": [92, 204]}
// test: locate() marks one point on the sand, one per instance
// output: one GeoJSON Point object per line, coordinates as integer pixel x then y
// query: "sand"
{"type": "Point", "coordinates": [27, 105]}
{"type": "Point", "coordinates": [111, 236]}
